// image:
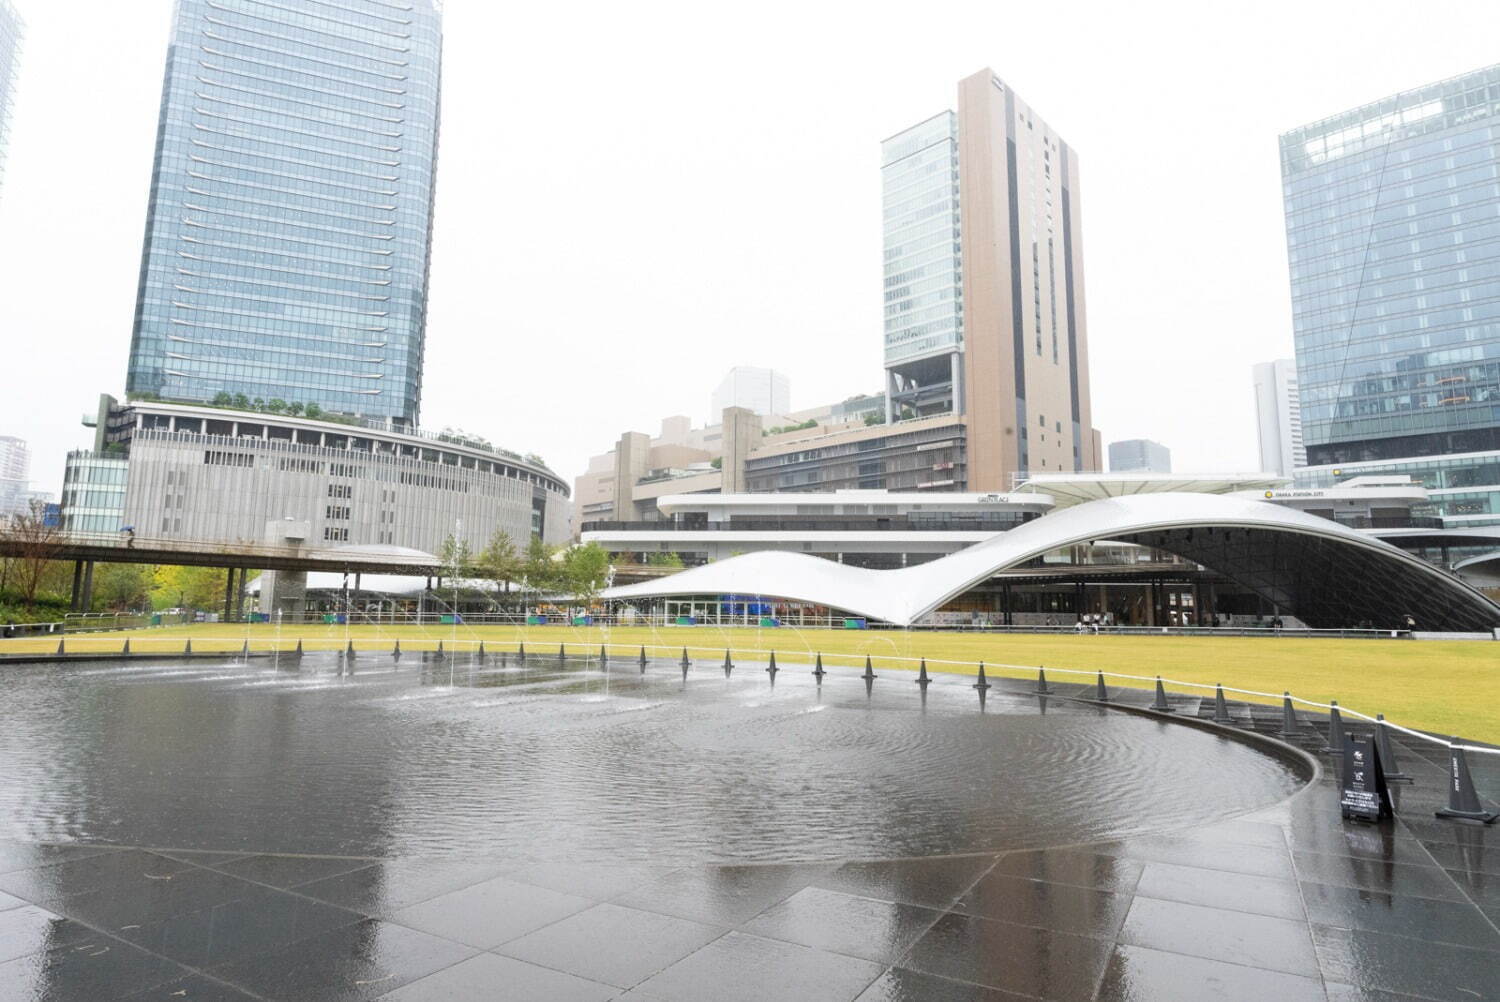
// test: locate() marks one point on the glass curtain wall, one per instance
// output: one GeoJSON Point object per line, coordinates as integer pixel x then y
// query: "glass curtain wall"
{"type": "Point", "coordinates": [287, 235]}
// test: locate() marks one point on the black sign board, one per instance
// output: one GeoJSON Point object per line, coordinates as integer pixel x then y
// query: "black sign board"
{"type": "Point", "coordinates": [1364, 795]}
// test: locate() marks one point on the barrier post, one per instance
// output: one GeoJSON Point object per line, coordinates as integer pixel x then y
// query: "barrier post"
{"type": "Point", "coordinates": [1221, 708]}
{"type": "Point", "coordinates": [1160, 704]}
{"type": "Point", "coordinates": [1336, 732]}
{"type": "Point", "coordinates": [1387, 753]}
{"type": "Point", "coordinates": [1289, 726]}
{"type": "Point", "coordinates": [1463, 799]}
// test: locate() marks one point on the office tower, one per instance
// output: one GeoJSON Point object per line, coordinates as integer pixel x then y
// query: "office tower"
{"type": "Point", "coordinates": [764, 391]}
{"type": "Point", "coordinates": [289, 223]}
{"type": "Point", "coordinates": [1391, 220]}
{"type": "Point", "coordinates": [11, 28]}
{"type": "Point", "coordinates": [983, 268]}
{"type": "Point", "coordinates": [15, 458]}
{"type": "Point", "coordinates": [1139, 455]}
{"type": "Point", "coordinates": [1278, 417]}
{"type": "Point", "coordinates": [15, 473]}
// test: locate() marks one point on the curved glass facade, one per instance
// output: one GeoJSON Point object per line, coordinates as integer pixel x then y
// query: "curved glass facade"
{"type": "Point", "coordinates": [289, 226]}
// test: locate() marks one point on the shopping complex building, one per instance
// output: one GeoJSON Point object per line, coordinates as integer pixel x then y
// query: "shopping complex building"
{"type": "Point", "coordinates": [1060, 549]}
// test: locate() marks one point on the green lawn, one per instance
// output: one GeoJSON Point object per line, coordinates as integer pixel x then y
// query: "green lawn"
{"type": "Point", "coordinates": [1445, 686]}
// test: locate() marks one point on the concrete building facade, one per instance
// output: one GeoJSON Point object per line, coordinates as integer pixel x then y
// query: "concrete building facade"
{"type": "Point", "coordinates": [182, 473]}
{"type": "Point", "coordinates": [984, 291]}
{"type": "Point", "coordinates": [1278, 417]}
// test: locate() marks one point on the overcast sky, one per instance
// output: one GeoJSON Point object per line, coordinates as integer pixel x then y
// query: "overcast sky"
{"type": "Point", "coordinates": [633, 197]}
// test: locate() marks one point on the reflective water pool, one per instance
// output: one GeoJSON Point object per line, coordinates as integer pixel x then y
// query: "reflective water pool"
{"type": "Point", "coordinates": [570, 762]}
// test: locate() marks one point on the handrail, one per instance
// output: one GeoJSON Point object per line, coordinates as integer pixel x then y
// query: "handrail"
{"type": "Point", "coordinates": [340, 643]}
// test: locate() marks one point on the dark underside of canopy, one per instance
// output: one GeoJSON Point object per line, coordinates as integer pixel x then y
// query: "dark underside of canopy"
{"type": "Point", "coordinates": [1329, 583]}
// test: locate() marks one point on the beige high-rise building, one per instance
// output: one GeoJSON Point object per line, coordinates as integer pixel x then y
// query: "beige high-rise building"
{"type": "Point", "coordinates": [984, 302]}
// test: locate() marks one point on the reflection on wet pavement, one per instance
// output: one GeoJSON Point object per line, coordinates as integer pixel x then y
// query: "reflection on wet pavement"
{"type": "Point", "coordinates": [1286, 902]}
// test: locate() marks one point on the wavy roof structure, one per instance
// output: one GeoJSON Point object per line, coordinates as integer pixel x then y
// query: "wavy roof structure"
{"type": "Point", "coordinates": [1324, 573]}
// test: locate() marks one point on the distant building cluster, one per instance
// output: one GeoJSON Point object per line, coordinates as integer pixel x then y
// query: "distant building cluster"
{"type": "Point", "coordinates": [16, 494]}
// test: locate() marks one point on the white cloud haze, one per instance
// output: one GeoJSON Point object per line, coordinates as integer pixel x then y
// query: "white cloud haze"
{"type": "Point", "coordinates": [633, 197]}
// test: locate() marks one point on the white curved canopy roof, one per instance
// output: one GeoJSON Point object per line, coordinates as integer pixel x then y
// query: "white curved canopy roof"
{"type": "Point", "coordinates": [1265, 555]}
{"type": "Point", "coordinates": [1080, 488]}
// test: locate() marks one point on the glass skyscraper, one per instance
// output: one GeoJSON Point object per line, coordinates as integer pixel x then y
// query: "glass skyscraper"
{"type": "Point", "coordinates": [10, 57]}
{"type": "Point", "coordinates": [923, 264]}
{"type": "Point", "coordinates": [289, 224]}
{"type": "Point", "coordinates": [1393, 234]}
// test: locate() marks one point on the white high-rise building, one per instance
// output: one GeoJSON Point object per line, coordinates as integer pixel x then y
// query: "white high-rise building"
{"type": "Point", "coordinates": [15, 471]}
{"type": "Point", "coordinates": [15, 458]}
{"type": "Point", "coordinates": [1278, 416]}
{"type": "Point", "coordinates": [764, 391]}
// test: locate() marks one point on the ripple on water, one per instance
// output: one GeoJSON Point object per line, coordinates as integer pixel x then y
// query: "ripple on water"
{"type": "Point", "coordinates": [555, 762]}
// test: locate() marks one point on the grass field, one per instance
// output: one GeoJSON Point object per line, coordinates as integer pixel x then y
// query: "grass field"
{"type": "Point", "coordinates": [1451, 687]}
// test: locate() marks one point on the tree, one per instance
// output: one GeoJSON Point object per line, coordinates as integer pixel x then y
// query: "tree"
{"type": "Point", "coordinates": [540, 570]}
{"type": "Point", "coordinates": [122, 586]}
{"type": "Point", "coordinates": [585, 572]}
{"type": "Point", "coordinates": [294, 408]}
{"type": "Point", "coordinates": [190, 587]}
{"type": "Point", "coordinates": [456, 557]}
{"type": "Point", "coordinates": [222, 399]}
{"type": "Point", "coordinates": [36, 543]}
{"type": "Point", "coordinates": [276, 405]}
{"type": "Point", "coordinates": [204, 587]}
{"type": "Point", "coordinates": [500, 562]}
{"type": "Point", "coordinates": [258, 404]}
{"type": "Point", "coordinates": [664, 560]}
{"type": "Point", "coordinates": [241, 401]}
{"type": "Point", "coordinates": [313, 411]}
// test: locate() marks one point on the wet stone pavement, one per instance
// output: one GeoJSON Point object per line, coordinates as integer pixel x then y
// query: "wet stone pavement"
{"type": "Point", "coordinates": [1284, 903]}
